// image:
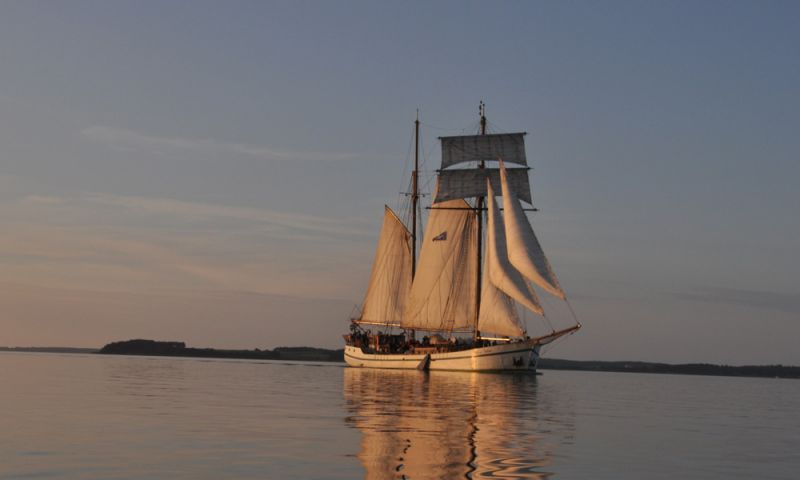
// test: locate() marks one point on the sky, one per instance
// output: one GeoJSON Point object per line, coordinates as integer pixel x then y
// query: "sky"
{"type": "Point", "coordinates": [215, 172]}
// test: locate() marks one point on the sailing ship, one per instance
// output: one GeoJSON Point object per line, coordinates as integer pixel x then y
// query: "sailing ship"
{"type": "Point", "coordinates": [456, 308]}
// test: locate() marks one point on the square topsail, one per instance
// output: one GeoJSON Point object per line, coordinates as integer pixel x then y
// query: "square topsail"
{"type": "Point", "coordinates": [492, 147]}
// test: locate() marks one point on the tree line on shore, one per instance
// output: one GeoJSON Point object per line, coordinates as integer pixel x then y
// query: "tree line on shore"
{"type": "Point", "coordinates": [179, 349]}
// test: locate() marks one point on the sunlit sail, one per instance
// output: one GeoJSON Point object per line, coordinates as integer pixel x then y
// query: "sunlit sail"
{"type": "Point", "coordinates": [457, 307]}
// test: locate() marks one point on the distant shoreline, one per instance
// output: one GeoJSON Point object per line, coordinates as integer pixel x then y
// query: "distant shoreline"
{"type": "Point", "coordinates": [761, 371]}
{"type": "Point", "coordinates": [50, 349]}
{"type": "Point", "coordinates": [179, 349]}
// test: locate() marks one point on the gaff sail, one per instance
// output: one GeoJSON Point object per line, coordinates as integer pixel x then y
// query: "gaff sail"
{"type": "Point", "coordinates": [390, 280]}
{"type": "Point", "coordinates": [444, 289]}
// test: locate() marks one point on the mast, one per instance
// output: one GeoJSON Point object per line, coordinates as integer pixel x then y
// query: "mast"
{"type": "Point", "coordinates": [414, 198]}
{"type": "Point", "coordinates": [479, 213]}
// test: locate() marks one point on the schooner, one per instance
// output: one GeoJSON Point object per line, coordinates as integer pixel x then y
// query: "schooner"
{"type": "Point", "coordinates": [456, 306]}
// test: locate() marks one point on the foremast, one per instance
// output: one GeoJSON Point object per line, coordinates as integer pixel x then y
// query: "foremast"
{"type": "Point", "coordinates": [466, 173]}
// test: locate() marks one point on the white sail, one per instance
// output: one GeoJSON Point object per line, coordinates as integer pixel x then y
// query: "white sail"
{"type": "Point", "coordinates": [500, 271]}
{"type": "Point", "coordinates": [390, 281]}
{"type": "Point", "coordinates": [443, 293]}
{"type": "Point", "coordinates": [524, 251]}
{"type": "Point", "coordinates": [471, 182]}
{"type": "Point", "coordinates": [476, 148]}
{"type": "Point", "coordinates": [498, 314]}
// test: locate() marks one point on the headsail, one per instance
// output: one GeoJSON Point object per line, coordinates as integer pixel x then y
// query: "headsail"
{"type": "Point", "coordinates": [498, 313]}
{"type": "Point", "coordinates": [443, 293]}
{"type": "Point", "coordinates": [500, 271]}
{"type": "Point", "coordinates": [390, 281]}
{"type": "Point", "coordinates": [524, 250]}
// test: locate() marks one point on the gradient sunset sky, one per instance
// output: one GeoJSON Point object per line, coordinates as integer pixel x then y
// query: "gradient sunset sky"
{"type": "Point", "coordinates": [215, 172]}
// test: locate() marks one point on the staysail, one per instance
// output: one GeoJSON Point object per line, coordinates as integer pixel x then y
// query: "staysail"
{"type": "Point", "coordinates": [443, 293]}
{"type": "Point", "coordinates": [390, 281]}
{"type": "Point", "coordinates": [524, 250]}
{"type": "Point", "coordinates": [500, 271]}
{"type": "Point", "coordinates": [498, 313]}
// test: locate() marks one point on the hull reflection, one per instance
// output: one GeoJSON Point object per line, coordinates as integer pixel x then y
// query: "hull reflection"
{"type": "Point", "coordinates": [446, 424]}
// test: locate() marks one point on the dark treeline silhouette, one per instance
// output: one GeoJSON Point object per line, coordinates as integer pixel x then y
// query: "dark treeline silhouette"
{"type": "Point", "coordinates": [49, 349]}
{"type": "Point", "coordinates": [779, 371]}
{"type": "Point", "coordinates": [179, 349]}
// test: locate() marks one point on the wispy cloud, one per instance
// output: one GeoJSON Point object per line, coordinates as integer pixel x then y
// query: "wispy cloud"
{"type": "Point", "coordinates": [124, 139]}
{"type": "Point", "coordinates": [96, 253]}
{"type": "Point", "coordinates": [198, 210]}
{"type": "Point", "coordinates": [783, 302]}
{"type": "Point", "coordinates": [91, 207]}
{"type": "Point", "coordinates": [42, 200]}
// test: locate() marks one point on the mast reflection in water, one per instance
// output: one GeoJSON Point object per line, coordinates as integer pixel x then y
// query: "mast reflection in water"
{"type": "Point", "coordinates": [450, 424]}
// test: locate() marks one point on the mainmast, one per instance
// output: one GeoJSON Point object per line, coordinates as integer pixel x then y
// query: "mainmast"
{"type": "Point", "coordinates": [414, 198]}
{"type": "Point", "coordinates": [479, 213]}
{"type": "Point", "coordinates": [448, 293]}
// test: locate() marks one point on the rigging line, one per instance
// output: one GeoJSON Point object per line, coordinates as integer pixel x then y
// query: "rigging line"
{"type": "Point", "coordinates": [430, 175]}
{"type": "Point", "coordinates": [423, 181]}
{"type": "Point", "coordinates": [493, 127]}
{"type": "Point", "coordinates": [550, 346]}
{"type": "Point", "coordinates": [400, 204]}
{"type": "Point", "coordinates": [355, 311]}
{"type": "Point", "coordinates": [469, 129]}
{"type": "Point", "coordinates": [543, 318]}
{"type": "Point", "coordinates": [435, 127]}
{"type": "Point", "coordinates": [428, 150]}
{"type": "Point", "coordinates": [406, 195]}
{"type": "Point", "coordinates": [408, 154]}
{"type": "Point", "coordinates": [549, 324]}
{"type": "Point", "coordinates": [423, 164]}
{"type": "Point", "coordinates": [406, 206]}
{"type": "Point", "coordinates": [428, 179]}
{"type": "Point", "coordinates": [525, 320]}
{"type": "Point", "coordinates": [407, 163]}
{"type": "Point", "coordinates": [574, 316]}
{"type": "Point", "coordinates": [472, 128]}
{"type": "Point", "coordinates": [421, 145]}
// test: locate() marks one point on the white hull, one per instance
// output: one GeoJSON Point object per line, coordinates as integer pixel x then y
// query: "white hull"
{"type": "Point", "coordinates": [517, 356]}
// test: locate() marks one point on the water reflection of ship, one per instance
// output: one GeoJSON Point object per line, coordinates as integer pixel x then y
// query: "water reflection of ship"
{"type": "Point", "coordinates": [446, 425]}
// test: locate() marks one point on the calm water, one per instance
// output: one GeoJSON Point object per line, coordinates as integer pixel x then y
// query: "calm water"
{"type": "Point", "coordinates": [85, 416]}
